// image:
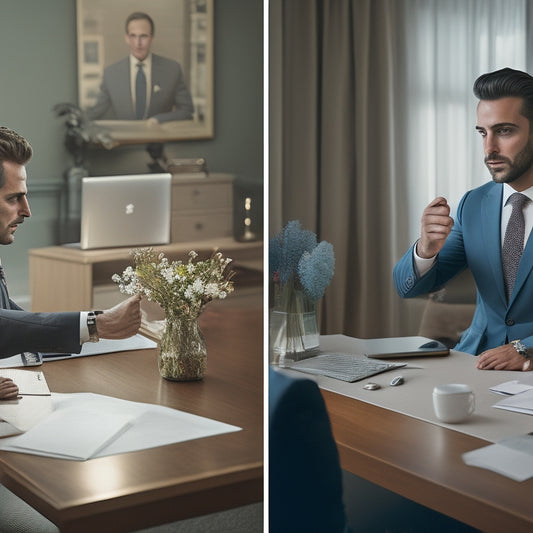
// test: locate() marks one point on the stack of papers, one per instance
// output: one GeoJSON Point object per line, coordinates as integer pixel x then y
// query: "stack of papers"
{"type": "Point", "coordinates": [520, 403]}
{"type": "Point", "coordinates": [85, 425]}
{"type": "Point", "coordinates": [511, 457]}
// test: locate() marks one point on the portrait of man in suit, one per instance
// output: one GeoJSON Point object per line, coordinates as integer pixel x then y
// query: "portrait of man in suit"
{"type": "Point", "coordinates": [143, 85]}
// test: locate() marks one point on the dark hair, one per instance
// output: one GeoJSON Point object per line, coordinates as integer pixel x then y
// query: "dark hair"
{"type": "Point", "coordinates": [504, 83]}
{"type": "Point", "coordinates": [139, 15]}
{"type": "Point", "coordinates": [14, 148]}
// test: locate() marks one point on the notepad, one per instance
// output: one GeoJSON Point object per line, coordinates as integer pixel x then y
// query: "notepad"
{"type": "Point", "coordinates": [29, 382]}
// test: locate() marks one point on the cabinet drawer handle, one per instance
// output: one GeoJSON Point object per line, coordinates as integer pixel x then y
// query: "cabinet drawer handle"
{"type": "Point", "coordinates": [199, 226]}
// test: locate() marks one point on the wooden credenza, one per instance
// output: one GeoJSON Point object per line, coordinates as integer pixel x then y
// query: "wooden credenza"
{"type": "Point", "coordinates": [202, 208]}
{"type": "Point", "coordinates": [63, 278]}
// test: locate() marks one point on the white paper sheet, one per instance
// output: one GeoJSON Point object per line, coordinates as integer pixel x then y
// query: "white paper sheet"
{"type": "Point", "coordinates": [137, 342]}
{"type": "Point", "coordinates": [24, 413]}
{"type": "Point", "coordinates": [511, 457]}
{"type": "Point", "coordinates": [83, 433]}
{"type": "Point", "coordinates": [511, 387]}
{"type": "Point", "coordinates": [149, 426]}
{"type": "Point", "coordinates": [519, 403]}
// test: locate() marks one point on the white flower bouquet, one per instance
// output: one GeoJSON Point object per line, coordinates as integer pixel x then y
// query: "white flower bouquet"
{"type": "Point", "coordinates": [181, 289]}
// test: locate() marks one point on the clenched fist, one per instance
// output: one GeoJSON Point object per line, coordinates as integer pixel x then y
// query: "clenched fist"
{"type": "Point", "coordinates": [436, 226]}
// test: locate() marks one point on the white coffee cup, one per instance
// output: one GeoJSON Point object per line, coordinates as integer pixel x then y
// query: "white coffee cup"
{"type": "Point", "coordinates": [453, 402]}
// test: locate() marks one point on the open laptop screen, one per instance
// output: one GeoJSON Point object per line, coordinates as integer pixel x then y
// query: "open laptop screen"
{"type": "Point", "coordinates": [132, 210]}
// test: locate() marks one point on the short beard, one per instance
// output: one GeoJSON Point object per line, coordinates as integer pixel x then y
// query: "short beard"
{"type": "Point", "coordinates": [517, 168]}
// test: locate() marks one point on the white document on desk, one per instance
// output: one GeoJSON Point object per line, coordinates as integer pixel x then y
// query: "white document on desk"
{"type": "Point", "coordinates": [511, 457]}
{"type": "Point", "coordinates": [519, 403]}
{"type": "Point", "coordinates": [119, 426]}
{"type": "Point", "coordinates": [137, 342]}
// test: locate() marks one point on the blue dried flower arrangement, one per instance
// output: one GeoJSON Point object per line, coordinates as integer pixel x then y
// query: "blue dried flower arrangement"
{"type": "Point", "coordinates": [297, 262]}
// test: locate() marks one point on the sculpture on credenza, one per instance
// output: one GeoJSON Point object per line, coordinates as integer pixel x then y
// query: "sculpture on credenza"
{"type": "Point", "coordinates": [80, 132]}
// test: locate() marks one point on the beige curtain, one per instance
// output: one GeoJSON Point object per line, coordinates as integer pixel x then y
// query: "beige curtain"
{"type": "Point", "coordinates": [336, 156]}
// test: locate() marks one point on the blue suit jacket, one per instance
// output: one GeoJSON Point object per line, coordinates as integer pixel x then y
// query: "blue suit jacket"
{"type": "Point", "coordinates": [170, 98]}
{"type": "Point", "coordinates": [305, 482]}
{"type": "Point", "coordinates": [475, 243]}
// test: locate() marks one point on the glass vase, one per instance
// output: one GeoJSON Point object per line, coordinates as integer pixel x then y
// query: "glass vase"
{"type": "Point", "coordinates": [182, 350]}
{"type": "Point", "coordinates": [293, 329]}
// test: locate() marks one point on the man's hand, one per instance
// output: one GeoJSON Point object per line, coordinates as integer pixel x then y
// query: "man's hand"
{"type": "Point", "coordinates": [121, 321]}
{"type": "Point", "coordinates": [436, 226]}
{"type": "Point", "coordinates": [8, 389]}
{"type": "Point", "coordinates": [502, 358]}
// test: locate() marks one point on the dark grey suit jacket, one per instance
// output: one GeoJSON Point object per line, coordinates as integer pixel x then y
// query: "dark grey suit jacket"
{"type": "Point", "coordinates": [170, 98]}
{"type": "Point", "coordinates": [21, 331]}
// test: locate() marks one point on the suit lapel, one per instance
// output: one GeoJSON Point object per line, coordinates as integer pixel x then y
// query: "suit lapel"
{"type": "Point", "coordinates": [491, 205]}
{"type": "Point", "coordinates": [123, 80]}
{"type": "Point", "coordinates": [156, 82]}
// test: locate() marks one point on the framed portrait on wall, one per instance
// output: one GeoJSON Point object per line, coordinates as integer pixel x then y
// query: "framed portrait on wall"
{"type": "Point", "coordinates": [145, 69]}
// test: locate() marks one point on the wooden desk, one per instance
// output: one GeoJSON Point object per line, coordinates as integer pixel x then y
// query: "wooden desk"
{"type": "Point", "coordinates": [140, 489]}
{"type": "Point", "coordinates": [63, 278]}
{"type": "Point", "coordinates": [422, 462]}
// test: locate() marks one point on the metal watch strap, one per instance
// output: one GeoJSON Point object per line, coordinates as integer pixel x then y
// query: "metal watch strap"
{"type": "Point", "coordinates": [91, 325]}
{"type": "Point", "coordinates": [520, 348]}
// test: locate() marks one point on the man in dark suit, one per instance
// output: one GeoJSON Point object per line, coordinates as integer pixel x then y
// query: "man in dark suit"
{"type": "Point", "coordinates": [163, 94]}
{"type": "Point", "coordinates": [21, 331]}
{"type": "Point", "coordinates": [501, 332]}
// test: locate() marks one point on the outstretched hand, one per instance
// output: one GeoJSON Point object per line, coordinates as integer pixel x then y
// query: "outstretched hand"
{"type": "Point", "coordinates": [436, 226]}
{"type": "Point", "coordinates": [8, 389]}
{"type": "Point", "coordinates": [121, 321]}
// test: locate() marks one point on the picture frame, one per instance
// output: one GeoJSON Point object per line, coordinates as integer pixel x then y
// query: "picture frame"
{"type": "Point", "coordinates": [183, 33]}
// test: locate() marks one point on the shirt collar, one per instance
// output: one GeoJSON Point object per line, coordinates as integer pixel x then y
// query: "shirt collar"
{"type": "Point", "coordinates": [147, 61]}
{"type": "Point", "coordinates": [508, 190]}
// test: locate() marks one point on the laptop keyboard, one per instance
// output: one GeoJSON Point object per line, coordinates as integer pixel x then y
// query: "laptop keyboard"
{"type": "Point", "coordinates": [346, 367]}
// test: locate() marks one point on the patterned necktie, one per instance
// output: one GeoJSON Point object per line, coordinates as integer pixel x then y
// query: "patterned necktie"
{"type": "Point", "coordinates": [513, 243]}
{"type": "Point", "coordinates": [4, 296]}
{"type": "Point", "coordinates": [140, 92]}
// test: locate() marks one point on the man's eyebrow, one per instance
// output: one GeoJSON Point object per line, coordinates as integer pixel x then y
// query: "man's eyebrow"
{"type": "Point", "coordinates": [499, 125]}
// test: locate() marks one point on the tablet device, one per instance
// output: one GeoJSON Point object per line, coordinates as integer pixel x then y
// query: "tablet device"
{"type": "Point", "coordinates": [394, 347]}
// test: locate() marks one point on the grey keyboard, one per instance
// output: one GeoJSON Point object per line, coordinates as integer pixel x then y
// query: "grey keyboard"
{"type": "Point", "coordinates": [346, 367]}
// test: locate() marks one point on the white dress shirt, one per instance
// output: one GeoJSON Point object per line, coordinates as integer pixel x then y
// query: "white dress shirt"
{"type": "Point", "coordinates": [147, 68]}
{"type": "Point", "coordinates": [423, 265]}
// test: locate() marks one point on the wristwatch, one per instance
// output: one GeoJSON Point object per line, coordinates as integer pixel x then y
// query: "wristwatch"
{"type": "Point", "coordinates": [523, 351]}
{"type": "Point", "coordinates": [91, 325]}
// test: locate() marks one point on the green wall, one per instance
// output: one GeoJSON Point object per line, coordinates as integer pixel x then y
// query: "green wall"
{"type": "Point", "coordinates": [39, 70]}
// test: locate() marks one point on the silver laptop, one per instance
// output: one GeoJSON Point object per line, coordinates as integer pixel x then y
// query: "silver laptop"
{"type": "Point", "coordinates": [131, 210]}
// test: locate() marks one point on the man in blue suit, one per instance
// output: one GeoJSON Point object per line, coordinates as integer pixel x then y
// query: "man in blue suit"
{"type": "Point", "coordinates": [165, 95]}
{"type": "Point", "coordinates": [501, 332]}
